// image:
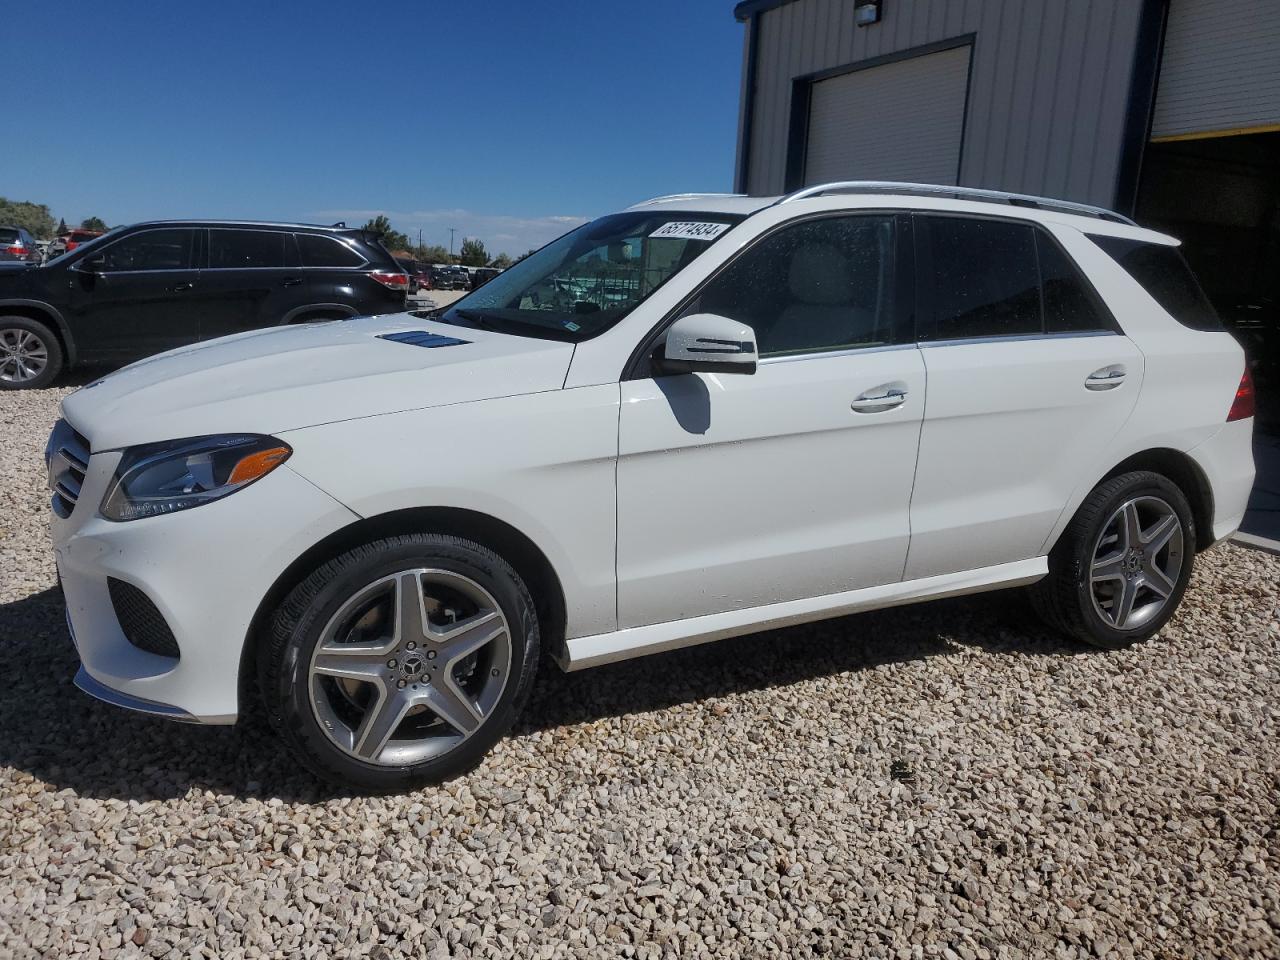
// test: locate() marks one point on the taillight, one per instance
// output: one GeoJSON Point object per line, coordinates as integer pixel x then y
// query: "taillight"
{"type": "Point", "coordinates": [1243, 406]}
{"type": "Point", "coordinates": [18, 249]}
{"type": "Point", "coordinates": [391, 279]}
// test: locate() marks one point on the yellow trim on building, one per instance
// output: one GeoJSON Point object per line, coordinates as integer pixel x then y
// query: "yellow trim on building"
{"type": "Point", "coordinates": [1213, 134]}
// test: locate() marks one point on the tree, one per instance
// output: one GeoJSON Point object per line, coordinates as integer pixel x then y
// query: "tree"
{"type": "Point", "coordinates": [392, 239]}
{"type": "Point", "coordinates": [93, 223]}
{"type": "Point", "coordinates": [432, 253]}
{"type": "Point", "coordinates": [34, 217]}
{"type": "Point", "coordinates": [525, 254]}
{"type": "Point", "coordinates": [501, 261]}
{"type": "Point", "coordinates": [473, 253]}
{"type": "Point", "coordinates": [62, 227]}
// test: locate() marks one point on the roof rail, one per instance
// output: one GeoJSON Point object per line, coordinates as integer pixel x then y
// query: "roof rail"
{"type": "Point", "coordinates": [963, 193]}
{"type": "Point", "coordinates": [684, 196]}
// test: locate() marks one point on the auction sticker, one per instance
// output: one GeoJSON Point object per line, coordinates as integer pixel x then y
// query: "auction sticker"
{"type": "Point", "coordinates": [690, 231]}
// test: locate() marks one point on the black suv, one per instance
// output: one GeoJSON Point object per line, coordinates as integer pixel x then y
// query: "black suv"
{"type": "Point", "coordinates": [150, 287]}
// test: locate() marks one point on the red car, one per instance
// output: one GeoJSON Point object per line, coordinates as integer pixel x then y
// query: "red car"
{"type": "Point", "coordinates": [70, 240]}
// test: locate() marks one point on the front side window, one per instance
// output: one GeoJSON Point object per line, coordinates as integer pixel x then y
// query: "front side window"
{"type": "Point", "coordinates": [815, 286]}
{"type": "Point", "coordinates": [242, 249]}
{"type": "Point", "coordinates": [148, 250]}
{"type": "Point", "coordinates": [580, 285]}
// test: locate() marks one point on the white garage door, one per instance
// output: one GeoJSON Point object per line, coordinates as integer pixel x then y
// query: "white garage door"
{"type": "Point", "coordinates": [1220, 72]}
{"type": "Point", "coordinates": [900, 121]}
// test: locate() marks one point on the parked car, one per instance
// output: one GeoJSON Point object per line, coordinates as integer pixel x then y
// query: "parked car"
{"type": "Point", "coordinates": [450, 278]}
{"type": "Point", "coordinates": [17, 244]}
{"type": "Point", "coordinates": [147, 288]}
{"type": "Point", "coordinates": [483, 275]}
{"type": "Point", "coordinates": [70, 240]}
{"type": "Point", "coordinates": [377, 527]}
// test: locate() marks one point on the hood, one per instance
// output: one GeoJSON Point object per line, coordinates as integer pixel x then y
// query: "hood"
{"type": "Point", "coordinates": [285, 378]}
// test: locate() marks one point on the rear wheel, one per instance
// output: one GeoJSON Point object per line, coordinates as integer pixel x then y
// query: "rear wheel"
{"type": "Point", "coordinates": [1121, 567]}
{"type": "Point", "coordinates": [30, 354]}
{"type": "Point", "coordinates": [402, 662]}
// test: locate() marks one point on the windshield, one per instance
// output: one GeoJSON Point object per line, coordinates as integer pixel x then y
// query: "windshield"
{"type": "Point", "coordinates": [87, 245]}
{"type": "Point", "coordinates": [580, 285]}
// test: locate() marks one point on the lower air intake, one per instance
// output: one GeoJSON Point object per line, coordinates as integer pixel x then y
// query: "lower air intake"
{"type": "Point", "coordinates": [143, 625]}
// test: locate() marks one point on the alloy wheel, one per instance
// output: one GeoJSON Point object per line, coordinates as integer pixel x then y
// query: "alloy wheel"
{"type": "Point", "coordinates": [410, 666]}
{"type": "Point", "coordinates": [1136, 562]}
{"type": "Point", "coordinates": [23, 355]}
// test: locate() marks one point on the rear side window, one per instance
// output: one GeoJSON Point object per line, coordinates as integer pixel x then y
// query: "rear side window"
{"type": "Point", "coordinates": [1164, 274]}
{"type": "Point", "coordinates": [8, 236]}
{"type": "Point", "coordinates": [319, 251]}
{"type": "Point", "coordinates": [232, 249]}
{"type": "Point", "coordinates": [1070, 304]}
{"type": "Point", "coordinates": [985, 282]}
{"type": "Point", "coordinates": [994, 278]}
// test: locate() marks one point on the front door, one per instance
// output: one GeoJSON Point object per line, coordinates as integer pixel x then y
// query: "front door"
{"type": "Point", "coordinates": [738, 491]}
{"type": "Point", "coordinates": [135, 297]}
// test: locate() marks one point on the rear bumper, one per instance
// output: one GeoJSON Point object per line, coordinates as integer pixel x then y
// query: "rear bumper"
{"type": "Point", "coordinates": [1226, 459]}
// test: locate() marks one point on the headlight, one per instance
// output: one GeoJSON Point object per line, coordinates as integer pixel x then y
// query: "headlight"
{"type": "Point", "coordinates": [180, 474]}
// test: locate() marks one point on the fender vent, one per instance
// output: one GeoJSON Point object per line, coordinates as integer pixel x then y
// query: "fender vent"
{"type": "Point", "coordinates": [142, 624]}
{"type": "Point", "coordinates": [420, 338]}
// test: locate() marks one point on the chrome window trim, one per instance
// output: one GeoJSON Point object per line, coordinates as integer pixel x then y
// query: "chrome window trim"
{"type": "Point", "coordinates": [842, 352]}
{"type": "Point", "coordinates": [1016, 337]}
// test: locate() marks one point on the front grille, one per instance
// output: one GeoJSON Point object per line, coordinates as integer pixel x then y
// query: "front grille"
{"type": "Point", "coordinates": [67, 457]}
{"type": "Point", "coordinates": [143, 625]}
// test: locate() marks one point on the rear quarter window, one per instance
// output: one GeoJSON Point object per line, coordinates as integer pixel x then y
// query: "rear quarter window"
{"type": "Point", "coordinates": [321, 251]}
{"type": "Point", "coordinates": [1164, 274]}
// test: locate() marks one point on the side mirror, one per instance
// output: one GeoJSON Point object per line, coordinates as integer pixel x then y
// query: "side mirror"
{"type": "Point", "coordinates": [709, 343]}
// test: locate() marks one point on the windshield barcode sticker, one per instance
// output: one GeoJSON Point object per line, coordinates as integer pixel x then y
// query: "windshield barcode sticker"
{"type": "Point", "coordinates": [690, 231]}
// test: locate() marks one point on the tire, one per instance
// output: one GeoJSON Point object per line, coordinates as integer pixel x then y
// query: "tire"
{"type": "Point", "coordinates": [322, 643]}
{"type": "Point", "coordinates": [1093, 566]}
{"type": "Point", "coordinates": [30, 354]}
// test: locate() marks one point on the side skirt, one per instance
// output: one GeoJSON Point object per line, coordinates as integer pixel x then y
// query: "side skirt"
{"type": "Point", "coordinates": [602, 648]}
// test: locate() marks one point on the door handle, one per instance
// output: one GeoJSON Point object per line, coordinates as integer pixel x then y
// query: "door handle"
{"type": "Point", "coordinates": [292, 281]}
{"type": "Point", "coordinates": [879, 402]}
{"type": "Point", "coordinates": [1105, 378]}
{"type": "Point", "coordinates": [181, 287]}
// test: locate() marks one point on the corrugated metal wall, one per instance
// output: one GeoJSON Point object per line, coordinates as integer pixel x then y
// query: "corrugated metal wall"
{"type": "Point", "coordinates": [1047, 97]}
{"type": "Point", "coordinates": [1221, 67]}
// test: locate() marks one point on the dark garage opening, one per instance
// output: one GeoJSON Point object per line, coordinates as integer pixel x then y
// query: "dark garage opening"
{"type": "Point", "coordinates": [1221, 197]}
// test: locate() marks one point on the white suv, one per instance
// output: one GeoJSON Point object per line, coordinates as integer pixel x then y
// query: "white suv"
{"type": "Point", "coordinates": [700, 417]}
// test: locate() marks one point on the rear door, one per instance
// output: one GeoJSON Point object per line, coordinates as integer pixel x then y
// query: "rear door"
{"type": "Point", "coordinates": [134, 297]}
{"type": "Point", "coordinates": [251, 280]}
{"type": "Point", "coordinates": [738, 491]}
{"type": "Point", "coordinates": [334, 267]}
{"type": "Point", "coordinates": [1028, 375]}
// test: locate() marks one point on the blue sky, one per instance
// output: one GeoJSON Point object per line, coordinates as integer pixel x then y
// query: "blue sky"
{"type": "Point", "coordinates": [509, 120]}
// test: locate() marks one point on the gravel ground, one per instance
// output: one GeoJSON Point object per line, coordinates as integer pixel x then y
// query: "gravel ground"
{"type": "Point", "coordinates": [946, 780]}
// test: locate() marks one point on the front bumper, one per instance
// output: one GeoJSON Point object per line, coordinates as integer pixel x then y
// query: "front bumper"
{"type": "Point", "coordinates": [206, 570]}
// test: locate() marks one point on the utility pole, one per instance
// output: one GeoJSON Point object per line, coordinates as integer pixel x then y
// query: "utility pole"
{"type": "Point", "coordinates": [452, 231]}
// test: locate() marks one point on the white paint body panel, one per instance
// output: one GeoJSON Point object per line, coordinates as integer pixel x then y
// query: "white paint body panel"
{"type": "Point", "coordinates": [740, 491]}
{"type": "Point", "coordinates": [672, 511]}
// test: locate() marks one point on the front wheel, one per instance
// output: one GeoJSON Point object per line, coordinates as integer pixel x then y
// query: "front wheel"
{"type": "Point", "coordinates": [400, 663]}
{"type": "Point", "coordinates": [30, 354]}
{"type": "Point", "coordinates": [1120, 569]}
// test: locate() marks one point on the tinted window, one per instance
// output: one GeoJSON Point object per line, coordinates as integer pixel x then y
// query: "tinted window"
{"type": "Point", "coordinates": [985, 279]}
{"type": "Point", "coordinates": [318, 251]}
{"type": "Point", "coordinates": [820, 285]}
{"type": "Point", "coordinates": [7, 235]}
{"type": "Point", "coordinates": [230, 249]}
{"type": "Point", "coordinates": [149, 250]}
{"type": "Point", "coordinates": [1165, 275]}
{"type": "Point", "coordinates": [1070, 305]}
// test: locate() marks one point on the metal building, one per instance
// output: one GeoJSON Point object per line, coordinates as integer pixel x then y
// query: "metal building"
{"type": "Point", "coordinates": [1168, 110]}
